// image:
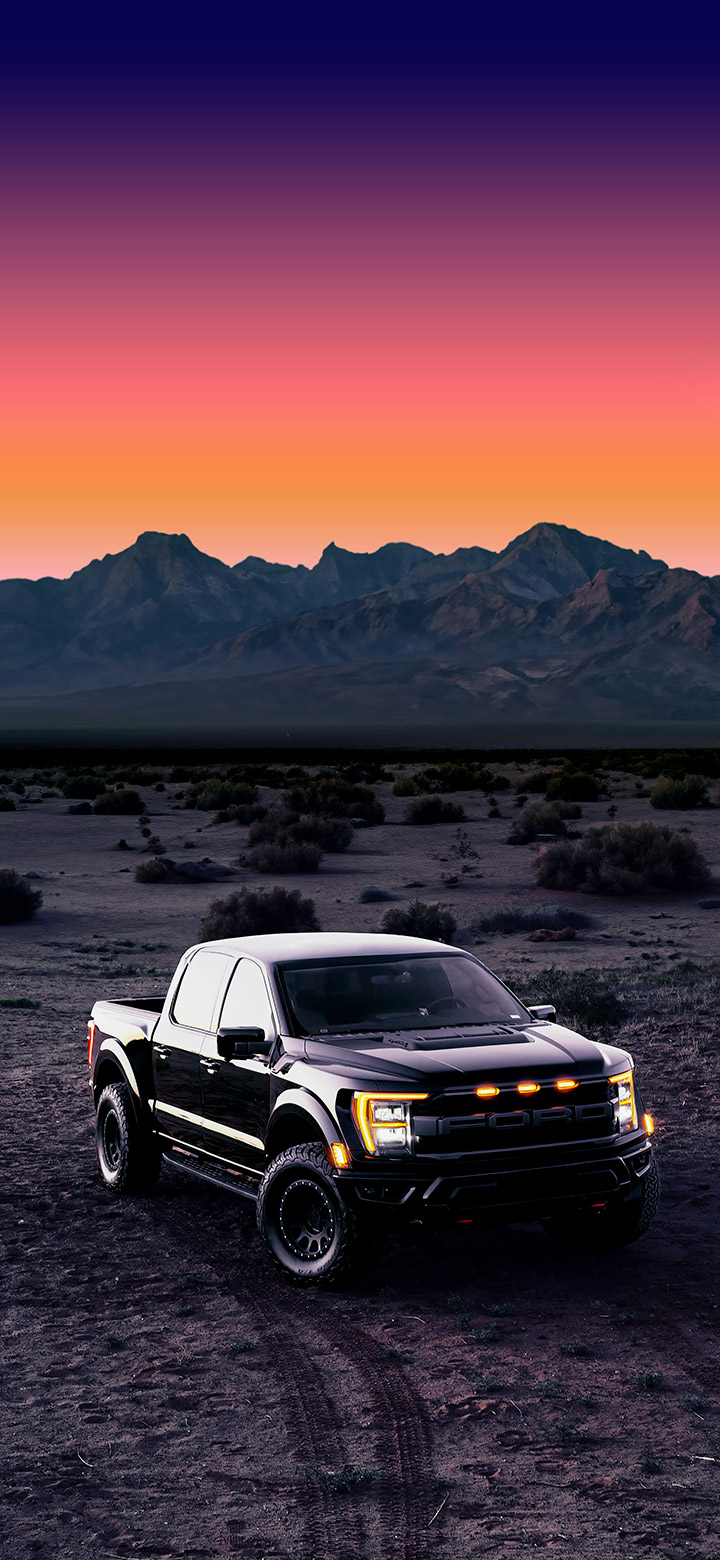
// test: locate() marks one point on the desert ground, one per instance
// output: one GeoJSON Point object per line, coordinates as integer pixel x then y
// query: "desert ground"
{"type": "Point", "coordinates": [485, 1391]}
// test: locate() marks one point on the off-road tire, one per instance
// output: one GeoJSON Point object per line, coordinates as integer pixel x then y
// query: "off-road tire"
{"type": "Point", "coordinates": [610, 1228]}
{"type": "Point", "coordinates": [128, 1152]}
{"type": "Point", "coordinates": [309, 1233]}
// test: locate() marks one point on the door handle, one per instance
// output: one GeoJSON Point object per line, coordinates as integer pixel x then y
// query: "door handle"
{"type": "Point", "coordinates": [210, 1067]}
{"type": "Point", "coordinates": [162, 1052]}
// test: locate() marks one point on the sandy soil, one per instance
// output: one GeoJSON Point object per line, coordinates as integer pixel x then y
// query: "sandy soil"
{"type": "Point", "coordinates": [165, 1395]}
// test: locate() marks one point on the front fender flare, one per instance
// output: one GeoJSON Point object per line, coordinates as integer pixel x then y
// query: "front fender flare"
{"type": "Point", "coordinates": [299, 1103]}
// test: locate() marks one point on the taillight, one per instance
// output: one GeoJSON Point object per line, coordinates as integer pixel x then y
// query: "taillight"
{"type": "Point", "coordinates": [91, 1037]}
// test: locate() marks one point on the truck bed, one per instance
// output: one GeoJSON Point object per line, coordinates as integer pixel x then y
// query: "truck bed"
{"type": "Point", "coordinates": [128, 1020]}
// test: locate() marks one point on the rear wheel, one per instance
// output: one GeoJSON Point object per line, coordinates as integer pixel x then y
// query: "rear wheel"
{"type": "Point", "coordinates": [611, 1227]}
{"type": "Point", "coordinates": [308, 1231]}
{"type": "Point", "coordinates": [128, 1153]}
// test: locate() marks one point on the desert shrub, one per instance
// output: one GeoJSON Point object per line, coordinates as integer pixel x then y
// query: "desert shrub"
{"type": "Point", "coordinates": [624, 858]}
{"type": "Point", "coordinates": [537, 818]}
{"type": "Point", "coordinates": [537, 781]}
{"type": "Point", "coordinates": [135, 775]}
{"type": "Point", "coordinates": [331, 834]}
{"type": "Point", "coordinates": [420, 920]}
{"type": "Point", "coordinates": [7, 804]}
{"type": "Point", "coordinates": [286, 856]}
{"type": "Point", "coordinates": [669, 794]}
{"type": "Point", "coordinates": [211, 794]}
{"type": "Point", "coordinates": [244, 812]}
{"type": "Point", "coordinates": [85, 787]}
{"type": "Point", "coordinates": [432, 809]}
{"type": "Point", "coordinates": [407, 785]}
{"type": "Point", "coordinates": [18, 901]}
{"type": "Point", "coordinates": [582, 998]}
{"type": "Point", "coordinates": [253, 912]}
{"type": "Point", "coordinates": [511, 920]}
{"type": "Point", "coordinates": [330, 796]}
{"type": "Point", "coordinates": [119, 802]}
{"type": "Point", "coordinates": [573, 785]}
{"type": "Point", "coordinates": [154, 871]}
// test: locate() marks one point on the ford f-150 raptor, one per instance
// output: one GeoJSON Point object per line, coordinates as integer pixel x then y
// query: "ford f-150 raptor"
{"type": "Point", "coordinates": [352, 1083]}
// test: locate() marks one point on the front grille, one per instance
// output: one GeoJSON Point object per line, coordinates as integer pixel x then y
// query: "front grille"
{"type": "Point", "coordinates": [457, 1122]}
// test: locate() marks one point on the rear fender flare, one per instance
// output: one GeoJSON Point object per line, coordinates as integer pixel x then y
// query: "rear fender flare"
{"type": "Point", "coordinates": [111, 1048]}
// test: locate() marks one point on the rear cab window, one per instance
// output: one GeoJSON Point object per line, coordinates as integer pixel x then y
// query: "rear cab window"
{"type": "Point", "coordinates": [199, 989]}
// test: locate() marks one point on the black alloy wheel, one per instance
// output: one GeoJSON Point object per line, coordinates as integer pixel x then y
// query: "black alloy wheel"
{"type": "Point", "coordinates": [308, 1231]}
{"type": "Point", "coordinates": [128, 1152]}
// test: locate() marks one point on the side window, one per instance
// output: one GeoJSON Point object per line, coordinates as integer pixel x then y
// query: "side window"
{"type": "Point", "coordinates": [247, 1001]}
{"type": "Point", "coordinates": [197, 994]}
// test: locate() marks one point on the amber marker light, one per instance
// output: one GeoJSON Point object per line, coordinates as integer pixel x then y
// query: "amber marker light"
{"type": "Point", "coordinates": [528, 1088]}
{"type": "Point", "coordinates": [648, 1124]}
{"type": "Point", "coordinates": [340, 1156]}
{"type": "Point", "coordinates": [487, 1091]}
{"type": "Point", "coordinates": [566, 1083]}
{"type": "Point", "coordinates": [91, 1036]}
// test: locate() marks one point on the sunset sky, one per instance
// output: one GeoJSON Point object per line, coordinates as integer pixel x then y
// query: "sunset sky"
{"type": "Point", "coordinates": [279, 288]}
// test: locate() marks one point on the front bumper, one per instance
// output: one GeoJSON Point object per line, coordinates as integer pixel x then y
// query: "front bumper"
{"type": "Point", "coordinates": [505, 1187]}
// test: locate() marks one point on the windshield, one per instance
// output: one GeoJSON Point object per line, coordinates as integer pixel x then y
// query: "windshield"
{"type": "Point", "coordinates": [420, 991]}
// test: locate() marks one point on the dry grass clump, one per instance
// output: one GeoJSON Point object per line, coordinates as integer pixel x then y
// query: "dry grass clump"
{"type": "Point", "coordinates": [121, 802]}
{"type": "Point", "coordinates": [420, 920]}
{"type": "Point", "coordinates": [671, 794]}
{"type": "Point", "coordinates": [432, 809]}
{"type": "Point", "coordinates": [154, 871]}
{"type": "Point", "coordinates": [554, 917]}
{"type": "Point", "coordinates": [7, 804]}
{"type": "Point", "coordinates": [583, 999]}
{"type": "Point", "coordinates": [18, 901]}
{"type": "Point", "coordinates": [254, 912]}
{"type": "Point", "coordinates": [624, 858]}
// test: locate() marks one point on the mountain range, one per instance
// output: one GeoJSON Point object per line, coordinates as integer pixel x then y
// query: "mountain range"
{"type": "Point", "coordinates": [556, 626]}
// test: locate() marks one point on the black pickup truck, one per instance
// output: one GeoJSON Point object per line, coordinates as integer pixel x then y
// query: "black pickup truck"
{"type": "Point", "coordinates": [353, 1083]}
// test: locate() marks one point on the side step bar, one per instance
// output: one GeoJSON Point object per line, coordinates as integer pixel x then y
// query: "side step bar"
{"type": "Point", "coordinates": [232, 1182]}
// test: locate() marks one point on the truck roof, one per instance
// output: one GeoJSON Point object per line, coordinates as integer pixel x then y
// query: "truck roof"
{"type": "Point", "coordinates": [276, 947]}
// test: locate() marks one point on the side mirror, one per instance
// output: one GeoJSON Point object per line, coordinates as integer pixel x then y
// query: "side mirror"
{"type": "Point", "coordinates": [240, 1043]}
{"type": "Point", "coordinates": [544, 1011]}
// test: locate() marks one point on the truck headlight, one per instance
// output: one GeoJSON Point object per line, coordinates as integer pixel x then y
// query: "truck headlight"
{"type": "Point", "coordinates": [622, 1093]}
{"type": "Point", "coordinates": [384, 1122]}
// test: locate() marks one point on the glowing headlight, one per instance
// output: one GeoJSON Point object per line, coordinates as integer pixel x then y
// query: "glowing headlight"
{"type": "Point", "coordinates": [383, 1121]}
{"type": "Point", "coordinates": [622, 1093]}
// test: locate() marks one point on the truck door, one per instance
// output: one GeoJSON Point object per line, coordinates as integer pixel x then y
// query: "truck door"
{"type": "Point", "coordinates": [177, 1043]}
{"type": "Point", "coordinates": [236, 1093]}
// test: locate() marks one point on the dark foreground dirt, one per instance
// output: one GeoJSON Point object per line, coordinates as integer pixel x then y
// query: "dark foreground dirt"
{"type": "Point", "coordinates": [483, 1393]}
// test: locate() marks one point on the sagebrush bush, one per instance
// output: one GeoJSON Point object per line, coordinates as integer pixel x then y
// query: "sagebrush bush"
{"type": "Point", "coordinates": [672, 794]}
{"type": "Point", "coordinates": [624, 858]}
{"type": "Point", "coordinates": [538, 818]}
{"type": "Point", "coordinates": [420, 920]}
{"type": "Point", "coordinates": [7, 804]}
{"type": "Point", "coordinates": [82, 787]}
{"type": "Point", "coordinates": [573, 785]}
{"type": "Point", "coordinates": [582, 998]}
{"type": "Point", "coordinates": [121, 802]}
{"type": "Point", "coordinates": [18, 901]}
{"type": "Point", "coordinates": [209, 795]}
{"type": "Point", "coordinates": [154, 871]}
{"type": "Point", "coordinates": [286, 856]}
{"type": "Point", "coordinates": [254, 912]}
{"type": "Point", "coordinates": [516, 920]}
{"type": "Point", "coordinates": [330, 796]}
{"type": "Point", "coordinates": [281, 826]}
{"type": "Point", "coordinates": [537, 781]}
{"type": "Point", "coordinates": [432, 809]}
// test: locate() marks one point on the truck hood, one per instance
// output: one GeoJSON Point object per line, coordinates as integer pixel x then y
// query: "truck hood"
{"type": "Point", "coordinates": [536, 1051]}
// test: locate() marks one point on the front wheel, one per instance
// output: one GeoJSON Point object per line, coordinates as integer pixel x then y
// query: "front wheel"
{"type": "Point", "coordinates": [612, 1227]}
{"type": "Point", "coordinates": [308, 1231]}
{"type": "Point", "coordinates": [128, 1154]}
